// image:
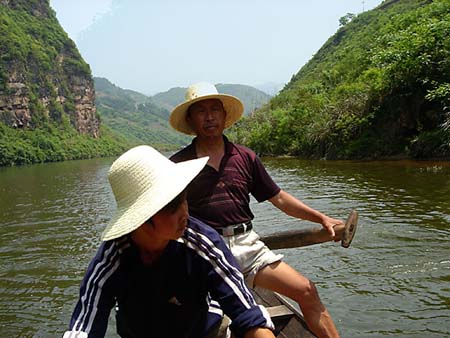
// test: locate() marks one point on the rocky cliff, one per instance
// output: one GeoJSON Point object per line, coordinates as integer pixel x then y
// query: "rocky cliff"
{"type": "Point", "coordinates": [42, 75]}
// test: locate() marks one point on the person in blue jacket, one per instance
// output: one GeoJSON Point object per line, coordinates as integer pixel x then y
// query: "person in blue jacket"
{"type": "Point", "coordinates": [159, 267]}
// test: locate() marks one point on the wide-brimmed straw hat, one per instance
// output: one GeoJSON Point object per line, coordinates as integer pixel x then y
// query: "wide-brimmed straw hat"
{"type": "Point", "coordinates": [143, 182]}
{"type": "Point", "coordinates": [203, 91]}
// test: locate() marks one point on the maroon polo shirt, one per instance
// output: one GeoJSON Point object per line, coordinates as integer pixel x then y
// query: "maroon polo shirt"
{"type": "Point", "coordinates": [222, 198]}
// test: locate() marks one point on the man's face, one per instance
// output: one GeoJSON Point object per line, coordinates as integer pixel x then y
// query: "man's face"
{"type": "Point", "coordinates": [170, 223]}
{"type": "Point", "coordinates": [207, 117]}
{"type": "Point", "coordinates": [167, 224]}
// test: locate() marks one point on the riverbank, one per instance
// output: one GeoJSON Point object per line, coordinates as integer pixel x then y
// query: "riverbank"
{"type": "Point", "coordinates": [55, 144]}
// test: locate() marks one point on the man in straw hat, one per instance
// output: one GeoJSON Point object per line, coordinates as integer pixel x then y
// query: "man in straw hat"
{"type": "Point", "coordinates": [159, 267]}
{"type": "Point", "coordinates": [219, 196]}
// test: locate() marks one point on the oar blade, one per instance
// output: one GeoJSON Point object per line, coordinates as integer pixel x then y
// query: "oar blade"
{"type": "Point", "coordinates": [350, 229]}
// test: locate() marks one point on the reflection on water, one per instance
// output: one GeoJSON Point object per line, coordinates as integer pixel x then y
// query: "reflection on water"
{"type": "Point", "coordinates": [392, 281]}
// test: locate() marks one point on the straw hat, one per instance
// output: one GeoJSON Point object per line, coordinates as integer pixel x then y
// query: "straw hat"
{"type": "Point", "coordinates": [143, 182]}
{"type": "Point", "coordinates": [202, 91]}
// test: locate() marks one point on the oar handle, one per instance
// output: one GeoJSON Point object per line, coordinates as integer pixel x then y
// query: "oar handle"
{"type": "Point", "coordinates": [304, 237]}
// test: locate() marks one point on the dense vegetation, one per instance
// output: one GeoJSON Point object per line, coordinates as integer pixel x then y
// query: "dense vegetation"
{"type": "Point", "coordinates": [53, 143]}
{"type": "Point", "coordinates": [136, 117]}
{"type": "Point", "coordinates": [37, 54]}
{"type": "Point", "coordinates": [379, 87]}
{"type": "Point", "coordinates": [35, 47]}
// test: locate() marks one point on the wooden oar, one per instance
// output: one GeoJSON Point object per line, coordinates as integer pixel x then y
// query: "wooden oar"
{"type": "Point", "coordinates": [305, 237]}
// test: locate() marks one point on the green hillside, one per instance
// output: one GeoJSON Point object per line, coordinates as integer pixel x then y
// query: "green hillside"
{"type": "Point", "coordinates": [170, 99]}
{"type": "Point", "coordinates": [47, 109]}
{"type": "Point", "coordinates": [379, 87]}
{"type": "Point", "coordinates": [251, 97]}
{"type": "Point", "coordinates": [136, 117]}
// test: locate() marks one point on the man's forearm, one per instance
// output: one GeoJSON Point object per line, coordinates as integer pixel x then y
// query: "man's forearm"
{"type": "Point", "coordinates": [296, 208]}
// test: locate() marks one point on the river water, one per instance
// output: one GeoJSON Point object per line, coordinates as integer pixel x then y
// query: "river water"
{"type": "Point", "coordinates": [393, 281]}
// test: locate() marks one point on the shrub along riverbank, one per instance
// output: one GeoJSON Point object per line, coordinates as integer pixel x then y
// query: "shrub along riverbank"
{"type": "Point", "coordinates": [52, 143]}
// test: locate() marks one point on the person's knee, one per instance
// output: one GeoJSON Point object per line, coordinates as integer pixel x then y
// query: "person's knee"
{"type": "Point", "coordinates": [308, 291]}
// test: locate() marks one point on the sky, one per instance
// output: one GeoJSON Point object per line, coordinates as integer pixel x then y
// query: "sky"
{"type": "Point", "coordinates": [151, 46]}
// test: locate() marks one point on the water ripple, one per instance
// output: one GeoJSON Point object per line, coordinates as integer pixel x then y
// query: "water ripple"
{"type": "Point", "coordinates": [392, 281]}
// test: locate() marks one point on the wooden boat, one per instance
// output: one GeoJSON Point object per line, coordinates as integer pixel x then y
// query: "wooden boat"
{"type": "Point", "coordinates": [288, 319]}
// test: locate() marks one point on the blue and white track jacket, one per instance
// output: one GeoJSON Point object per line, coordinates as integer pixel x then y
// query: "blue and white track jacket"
{"type": "Point", "coordinates": [169, 299]}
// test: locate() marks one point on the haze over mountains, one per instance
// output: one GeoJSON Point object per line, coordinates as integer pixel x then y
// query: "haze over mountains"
{"type": "Point", "coordinates": [377, 88]}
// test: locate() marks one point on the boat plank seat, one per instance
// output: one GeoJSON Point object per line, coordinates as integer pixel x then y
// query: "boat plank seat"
{"type": "Point", "coordinates": [288, 320]}
{"type": "Point", "coordinates": [281, 316]}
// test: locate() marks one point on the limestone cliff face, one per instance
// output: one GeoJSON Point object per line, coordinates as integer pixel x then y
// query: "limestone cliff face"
{"type": "Point", "coordinates": [85, 117]}
{"type": "Point", "coordinates": [42, 75]}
